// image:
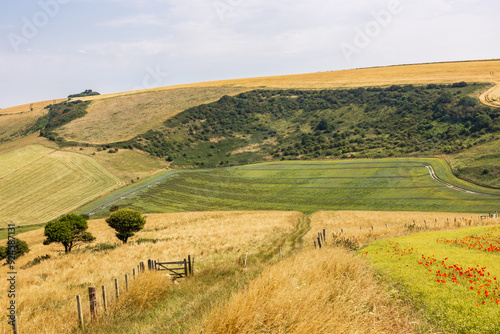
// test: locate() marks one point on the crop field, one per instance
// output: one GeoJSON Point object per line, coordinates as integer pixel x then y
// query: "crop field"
{"type": "Point", "coordinates": [213, 239]}
{"type": "Point", "coordinates": [470, 71]}
{"type": "Point", "coordinates": [453, 276]}
{"type": "Point", "coordinates": [123, 117]}
{"type": "Point", "coordinates": [39, 184]}
{"type": "Point", "coordinates": [307, 186]}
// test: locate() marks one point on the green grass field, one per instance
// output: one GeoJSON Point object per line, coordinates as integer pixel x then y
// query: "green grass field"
{"type": "Point", "coordinates": [39, 184]}
{"type": "Point", "coordinates": [307, 186]}
{"type": "Point", "coordinates": [453, 276]}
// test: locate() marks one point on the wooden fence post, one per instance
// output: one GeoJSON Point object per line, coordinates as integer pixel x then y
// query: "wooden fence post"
{"type": "Point", "coordinates": [80, 313]}
{"type": "Point", "coordinates": [314, 244]}
{"type": "Point", "coordinates": [104, 299]}
{"type": "Point", "coordinates": [246, 255]}
{"type": "Point", "coordinates": [189, 264]}
{"type": "Point", "coordinates": [186, 267]}
{"type": "Point", "coordinates": [324, 234]}
{"type": "Point", "coordinates": [92, 301]}
{"type": "Point", "coordinates": [319, 242]}
{"type": "Point", "coordinates": [133, 273]}
{"type": "Point", "coordinates": [117, 288]}
{"type": "Point", "coordinates": [126, 282]}
{"type": "Point", "coordinates": [15, 325]}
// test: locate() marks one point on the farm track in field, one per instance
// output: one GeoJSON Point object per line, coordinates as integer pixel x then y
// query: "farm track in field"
{"type": "Point", "coordinates": [492, 96]}
{"type": "Point", "coordinates": [435, 177]}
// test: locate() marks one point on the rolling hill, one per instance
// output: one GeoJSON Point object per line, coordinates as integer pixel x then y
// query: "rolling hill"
{"type": "Point", "coordinates": [166, 131]}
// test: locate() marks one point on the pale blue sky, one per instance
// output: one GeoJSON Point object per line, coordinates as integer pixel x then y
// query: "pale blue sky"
{"type": "Point", "coordinates": [53, 48]}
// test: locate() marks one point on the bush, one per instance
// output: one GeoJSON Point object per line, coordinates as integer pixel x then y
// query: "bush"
{"type": "Point", "coordinates": [36, 261]}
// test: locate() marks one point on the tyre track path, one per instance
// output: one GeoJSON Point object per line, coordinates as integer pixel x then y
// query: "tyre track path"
{"type": "Point", "coordinates": [451, 186]}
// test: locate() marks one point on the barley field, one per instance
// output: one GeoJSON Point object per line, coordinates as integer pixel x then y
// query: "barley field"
{"type": "Point", "coordinates": [39, 184]}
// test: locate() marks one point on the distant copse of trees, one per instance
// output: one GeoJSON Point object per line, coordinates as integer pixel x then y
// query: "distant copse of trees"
{"type": "Point", "coordinates": [87, 92]}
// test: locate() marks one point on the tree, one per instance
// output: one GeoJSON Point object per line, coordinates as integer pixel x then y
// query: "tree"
{"type": "Point", "coordinates": [20, 248]}
{"type": "Point", "coordinates": [126, 222]}
{"type": "Point", "coordinates": [70, 230]}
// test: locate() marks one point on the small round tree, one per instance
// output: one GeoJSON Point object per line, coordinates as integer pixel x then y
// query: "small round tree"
{"type": "Point", "coordinates": [70, 230]}
{"type": "Point", "coordinates": [19, 247]}
{"type": "Point", "coordinates": [126, 222]}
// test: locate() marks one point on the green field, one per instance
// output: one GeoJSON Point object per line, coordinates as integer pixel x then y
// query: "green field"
{"type": "Point", "coordinates": [453, 276]}
{"type": "Point", "coordinates": [40, 184]}
{"type": "Point", "coordinates": [308, 186]}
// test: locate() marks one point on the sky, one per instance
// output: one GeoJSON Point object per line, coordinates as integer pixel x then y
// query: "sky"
{"type": "Point", "coordinates": [52, 48]}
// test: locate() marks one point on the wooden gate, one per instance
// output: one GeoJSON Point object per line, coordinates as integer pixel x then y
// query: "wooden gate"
{"type": "Point", "coordinates": [178, 269]}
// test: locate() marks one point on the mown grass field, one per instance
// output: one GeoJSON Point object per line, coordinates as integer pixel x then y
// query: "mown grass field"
{"type": "Point", "coordinates": [452, 275]}
{"type": "Point", "coordinates": [307, 186]}
{"type": "Point", "coordinates": [39, 184]}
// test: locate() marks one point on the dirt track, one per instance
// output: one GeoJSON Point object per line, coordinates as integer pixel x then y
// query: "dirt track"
{"type": "Point", "coordinates": [492, 96]}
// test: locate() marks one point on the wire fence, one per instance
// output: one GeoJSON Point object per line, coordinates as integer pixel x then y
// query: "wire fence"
{"type": "Point", "coordinates": [67, 315]}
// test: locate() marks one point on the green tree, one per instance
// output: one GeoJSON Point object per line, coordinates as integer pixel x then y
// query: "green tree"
{"type": "Point", "coordinates": [20, 248]}
{"type": "Point", "coordinates": [3, 252]}
{"type": "Point", "coordinates": [70, 230]}
{"type": "Point", "coordinates": [126, 222]}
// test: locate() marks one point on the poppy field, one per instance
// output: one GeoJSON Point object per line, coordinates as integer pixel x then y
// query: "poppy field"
{"type": "Point", "coordinates": [452, 277]}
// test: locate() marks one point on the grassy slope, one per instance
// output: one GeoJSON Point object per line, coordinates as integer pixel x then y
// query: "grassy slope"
{"type": "Point", "coordinates": [480, 164]}
{"type": "Point", "coordinates": [388, 184]}
{"type": "Point", "coordinates": [123, 117]}
{"type": "Point", "coordinates": [53, 183]}
{"type": "Point", "coordinates": [128, 165]}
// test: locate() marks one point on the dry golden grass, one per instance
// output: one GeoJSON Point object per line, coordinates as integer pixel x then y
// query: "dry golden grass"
{"type": "Point", "coordinates": [123, 117]}
{"type": "Point", "coordinates": [357, 225]}
{"type": "Point", "coordinates": [469, 71]}
{"type": "Point", "coordinates": [327, 291]}
{"type": "Point", "coordinates": [212, 237]}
